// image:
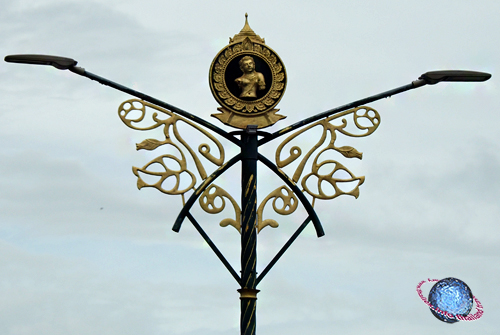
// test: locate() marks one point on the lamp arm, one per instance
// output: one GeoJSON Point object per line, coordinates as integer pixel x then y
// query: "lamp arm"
{"type": "Point", "coordinates": [82, 72]}
{"type": "Point", "coordinates": [65, 63]}
{"type": "Point", "coordinates": [412, 85]}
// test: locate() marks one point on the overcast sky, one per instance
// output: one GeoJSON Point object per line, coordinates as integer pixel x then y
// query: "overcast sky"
{"type": "Point", "coordinates": [82, 251]}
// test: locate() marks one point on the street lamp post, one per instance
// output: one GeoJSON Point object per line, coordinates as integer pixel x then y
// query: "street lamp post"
{"type": "Point", "coordinates": [236, 94]}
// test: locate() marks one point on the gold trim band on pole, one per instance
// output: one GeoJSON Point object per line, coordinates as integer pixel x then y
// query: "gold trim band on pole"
{"type": "Point", "coordinates": [248, 293]}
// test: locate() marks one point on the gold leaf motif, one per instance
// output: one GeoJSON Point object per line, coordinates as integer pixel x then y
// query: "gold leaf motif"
{"type": "Point", "coordinates": [272, 59]}
{"type": "Point", "coordinates": [279, 86]}
{"type": "Point", "coordinates": [218, 78]}
{"type": "Point", "coordinates": [239, 106]}
{"type": "Point", "coordinates": [269, 101]}
{"type": "Point", "coordinates": [349, 152]}
{"type": "Point", "coordinates": [274, 95]}
{"type": "Point", "coordinates": [280, 76]}
{"type": "Point", "coordinates": [269, 222]}
{"type": "Point", "coordinates": [177, 175]}
{"type": "Point", "coordinates": [278, 67]}
{"type": "Point", "coordinates": [320, 179]}
{"type": "Point", "coordinates": [230, 101]}
{"type": "Point", "coordinates": [260, 106]}
{"type": "Point", "coordinates": [237, 48]}
{"type": "Point", "coordinates": [224, 95]}
{"type": "Point", "coordinates": [219, 87]}
{"type": "Point", "coordinates": [149, 144]}
{"type": "Point", "coordinates": [257, 48]}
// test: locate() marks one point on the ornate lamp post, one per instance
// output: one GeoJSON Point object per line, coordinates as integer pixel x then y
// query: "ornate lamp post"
{"type": "Point", "coordinates": [248, 79]}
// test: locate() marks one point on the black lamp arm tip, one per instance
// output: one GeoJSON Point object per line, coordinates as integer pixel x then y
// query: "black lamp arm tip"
{"type": "Point", "coordinates": [61, 63]}
{"type": "Point", "coordinates": [434, 77]}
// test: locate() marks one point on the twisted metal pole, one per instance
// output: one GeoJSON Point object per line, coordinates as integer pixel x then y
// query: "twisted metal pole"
{"type": "Point", "coordinates": [248, 290]}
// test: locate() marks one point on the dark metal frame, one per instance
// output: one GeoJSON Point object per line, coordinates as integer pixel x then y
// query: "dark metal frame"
{"type": "Point", "coordinates": [249, 155]}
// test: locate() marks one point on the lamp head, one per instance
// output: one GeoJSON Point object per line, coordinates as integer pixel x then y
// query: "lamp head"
{"type": "Point", "coordinates": [61, 63]}
{"type": "Point", "coordinates": [434, 77]}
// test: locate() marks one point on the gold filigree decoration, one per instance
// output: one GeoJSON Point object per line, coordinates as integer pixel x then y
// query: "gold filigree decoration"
{"type": "Point", "coordinates": [288, 205]}
{"type": "Point", "coordinates": [208, 203]}
{"type": "Point", "coordinates": [133, 113]}
{"type": "Point", "coordinates": [336, 173]}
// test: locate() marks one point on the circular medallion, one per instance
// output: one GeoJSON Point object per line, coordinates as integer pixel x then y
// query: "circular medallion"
{"type": "Point", "coordinates": [247, 78]}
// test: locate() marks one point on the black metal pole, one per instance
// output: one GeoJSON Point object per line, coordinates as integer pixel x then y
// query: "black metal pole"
{"type": "Point", "coordinates": [248, 291]}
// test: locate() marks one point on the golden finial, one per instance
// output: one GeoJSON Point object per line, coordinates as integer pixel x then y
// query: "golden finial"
{"type": "Point", "coordinates": [245, 32]}
{"type": "Point", "coordinates": [246, 21]}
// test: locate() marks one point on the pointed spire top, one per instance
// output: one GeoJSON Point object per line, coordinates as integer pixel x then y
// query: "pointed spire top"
{"type": "Point", "coordinates": [245, 32]}
{"type": "Point", "coordinates": [246, 27]}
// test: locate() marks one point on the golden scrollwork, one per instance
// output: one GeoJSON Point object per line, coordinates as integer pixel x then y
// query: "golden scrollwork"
{"type": "Point", "coordinates": [288, 205]}
{"type": "Point", "coordinates": [133, 113]}
{"type": "Point", "coordinates": [208, 203]}
{"type": "Point", "coordinates": [334, 170]}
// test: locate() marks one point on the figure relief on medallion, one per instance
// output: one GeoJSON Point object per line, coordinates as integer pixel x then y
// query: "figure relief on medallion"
{"type": "Point", "coordinates": [251, 80]}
